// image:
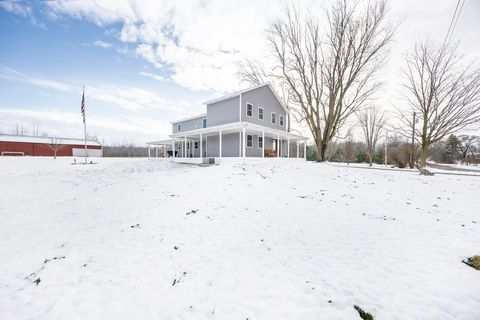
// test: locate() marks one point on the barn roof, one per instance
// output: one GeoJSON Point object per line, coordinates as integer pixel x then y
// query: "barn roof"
{"type": "Point", "coordinates": [45, 140]}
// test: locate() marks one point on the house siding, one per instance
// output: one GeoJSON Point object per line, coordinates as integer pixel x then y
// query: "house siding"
{"type": "Point", "coordinates": [188, 125]}
{"type": "Point", "coordinates": [223, 112]}
{"type": "Point", "coordinates": [263, 97]}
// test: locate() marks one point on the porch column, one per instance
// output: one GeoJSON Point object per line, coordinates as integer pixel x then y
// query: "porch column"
{"type": "Point", "coordinates": [206, 146]}
{"type": "Point", "coordinates": [156, 152]}
{"type": "Point", "coordinates": [278, 146]}
{"type": "Point", "coordinates": [149, 152]}
{"type": "Point", "coordinates": [288, 148]}
{"type": "Point", "coordinates": [185, 148]}
{"type": "Point", "coordinates": [220, 139]}
{"type": "Point", "coordinates": [244, 142]}
{"type": "Point", "coordinates": [298, 147]}
{"type": "Point", "coordinates": [263, 143]}
{"type": "Point", "coordinates": [305, 149]}
{"type": "Point", "coordinates": [165, 151]}
{"type": "Point", "coordinates": [173, 148]}
{"type": "Point", "coordinates": [201, 147]}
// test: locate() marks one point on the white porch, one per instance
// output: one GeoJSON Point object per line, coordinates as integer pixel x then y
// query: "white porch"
{"type": "Point", "coordinates": [233, 140]}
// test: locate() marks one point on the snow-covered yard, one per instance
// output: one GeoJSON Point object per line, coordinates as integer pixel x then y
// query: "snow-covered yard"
{"type": "Point", "coordinates": [139, 239]}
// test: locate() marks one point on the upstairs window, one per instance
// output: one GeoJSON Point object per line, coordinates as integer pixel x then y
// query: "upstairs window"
{"type": "Point", "coordinates": [281, 121]}
{"type": "Point", "coordinates": [249, 141]}
{"type": "Point", "coordinates": [179, 127]}
{"type": "Point", "coordinates": [204, 123]}
{"type": "Point", "coordinates": [260, 113]}
{"type": "Point", "coordinates": [274, 119]}
{"type": "Point", "coordinates": [260, 142]}
{"type": "Point", "coordinates": [249, 109]}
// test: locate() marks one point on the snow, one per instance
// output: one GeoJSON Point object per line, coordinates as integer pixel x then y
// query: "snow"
{"type": "Point", "coordinates": [272, 239]}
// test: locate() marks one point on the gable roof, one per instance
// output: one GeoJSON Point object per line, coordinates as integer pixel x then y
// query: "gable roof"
{"type": "Point", "coordinates": [238, 93]}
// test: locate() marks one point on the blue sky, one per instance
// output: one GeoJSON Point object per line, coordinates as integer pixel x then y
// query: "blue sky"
{"type": "Point", "coordinates": [146, 63]}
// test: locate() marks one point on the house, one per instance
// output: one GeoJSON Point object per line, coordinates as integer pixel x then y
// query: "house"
{"type": "Point", "coordinates": [247, 123]}
{"type": "Point", "coordinates": [15, 145]}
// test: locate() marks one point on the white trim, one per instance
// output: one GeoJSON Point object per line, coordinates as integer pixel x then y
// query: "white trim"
{"type": "Point", "coordinates": [251, 135]}
{"type": "Point", "coordinates": [271, 118]}
{"type": "Point", "coordinates": [246, 109]}
{"type": "Point", "coordinates": [237, 126]}
{"type": "Point", "coordinates": [263, 114]}
{"type": "Point", "coordinates": [258, 142]}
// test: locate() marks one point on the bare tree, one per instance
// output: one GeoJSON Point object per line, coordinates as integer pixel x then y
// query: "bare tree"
{"type": "Point", "coordinates": [468, 145]}
{"type": "Point", "coordinates": [444, 94]}
{"type": "Point", "coordinates": [372, 122]}
{"type": "Point", "coordinates": [328, 74]}
{"type": "Point", "coordinates": [348, 149]}
{"type": "Point", "coordinates": [19, 130]}
{"type": "Point", "coordinates": [55, 145]}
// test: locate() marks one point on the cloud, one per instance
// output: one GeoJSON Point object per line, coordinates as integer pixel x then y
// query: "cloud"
{"type": "Point", "coordinates": [16, 7]}
{"type": "Point", "coordinates": [153, 76]}
{"type": "Point", "coordinates": [126, 97]}
{"type": "Point", "coordinates": [68, 124]}
{"type": "Point", "coordinates": [102, 44]}
{"type": "Point", "coordinates": [10, 74]}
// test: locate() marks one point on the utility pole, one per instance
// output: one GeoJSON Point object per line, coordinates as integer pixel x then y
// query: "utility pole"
{"type": "Point", "coordinates": [413, 141]}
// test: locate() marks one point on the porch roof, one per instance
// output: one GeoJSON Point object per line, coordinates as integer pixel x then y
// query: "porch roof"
{"type": "Point", "coordinates": [237, 127]}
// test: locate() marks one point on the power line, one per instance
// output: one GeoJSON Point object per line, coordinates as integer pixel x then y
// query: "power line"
{"type": "Point", "coordinates": [454, 20]}
{"type": "Point", "coordinates": [458, 16]}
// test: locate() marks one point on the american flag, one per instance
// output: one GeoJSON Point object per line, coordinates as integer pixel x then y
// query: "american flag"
{"type": "Point", "coordinates": [82, 108]}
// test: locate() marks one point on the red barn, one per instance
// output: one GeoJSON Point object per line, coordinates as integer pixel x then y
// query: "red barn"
{"type": "Point", "coordinates": [11, 145]}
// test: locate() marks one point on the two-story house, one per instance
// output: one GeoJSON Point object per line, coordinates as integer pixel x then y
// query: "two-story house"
{"type": "Point", "coordinates": [248, 123]}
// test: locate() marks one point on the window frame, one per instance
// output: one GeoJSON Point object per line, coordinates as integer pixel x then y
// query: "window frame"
{"type": "Point", "coordinates": [258, 142]}
{"type": "Point", "coordinates": [204, 122]}
{"type": "Point", "coordinates": [281, 120]}
{"type": "Point", "coordinates": [246, 140]}
{"type": "Point", "coordinates": [195, 145]}
{"type": "Point", "coordinates": [246, 110]}
{"type": "Point", "coordinates": [179, 127]}
{"type": "Point", "coordinates": [273, 118]}
{"type": "Point", "coordinates": [263, 114]}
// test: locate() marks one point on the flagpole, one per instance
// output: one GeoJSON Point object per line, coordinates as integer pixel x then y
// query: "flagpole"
{"type": "Point", "coordinates": [85, 128]}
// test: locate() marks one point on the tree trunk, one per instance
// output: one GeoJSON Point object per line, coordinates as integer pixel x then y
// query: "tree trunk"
{"type": "Point", "coordinates": [319, 150]}
{"type": "Point", "coordinates": [322, 152]}
{"type": "Point", "coordinates": [423, 156]}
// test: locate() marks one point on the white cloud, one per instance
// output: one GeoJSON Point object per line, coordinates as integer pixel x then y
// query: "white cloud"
{"type": "Point", "coordinates": [16, 7]}
{"type": "Point", "coordinates": [200, 42]}
{"type": "Point", "coordinates": [10, 74]}
{"type": "Point", "coordinates": [153, 76]}
{"type": "Point", "coordinates": [102, 44]}
{"type": "Point", "coordinates": [68, 124]}
{"type": "Point", "coordinates": [127, 97]}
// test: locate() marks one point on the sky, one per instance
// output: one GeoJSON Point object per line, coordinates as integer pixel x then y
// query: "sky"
{"type": "Point", "coordinates": [146, 63]}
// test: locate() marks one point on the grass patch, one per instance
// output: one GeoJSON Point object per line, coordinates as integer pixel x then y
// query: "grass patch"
{"type": "Point", "coordinates": [364, 315]}
{"type": "Point", "coordinates": [473, 262]}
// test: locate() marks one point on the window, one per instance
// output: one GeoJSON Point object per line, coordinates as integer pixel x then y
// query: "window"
{"type": "Point", "coordinates": [260, 113]}
{"type": "Point", "coordinates": [249, 109]}
{"type": "Point", "coordinates": [260, 142]}
{"type": "Point", "coordinates": [249, 141]}
{"type": "Point", "coordinates": [179, 127]}
{"type": "Point", "coordinates": [204, 123]}
{"type": "Point", "coordinates": [196, 145]}
{"type": "Point", "coordinates": [281, 121]}
{"type": "Point", "coordinates": [274, 120]}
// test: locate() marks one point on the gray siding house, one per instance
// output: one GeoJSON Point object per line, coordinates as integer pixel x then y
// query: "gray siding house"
{"type": "Point", "coordinates": [247, 123]}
